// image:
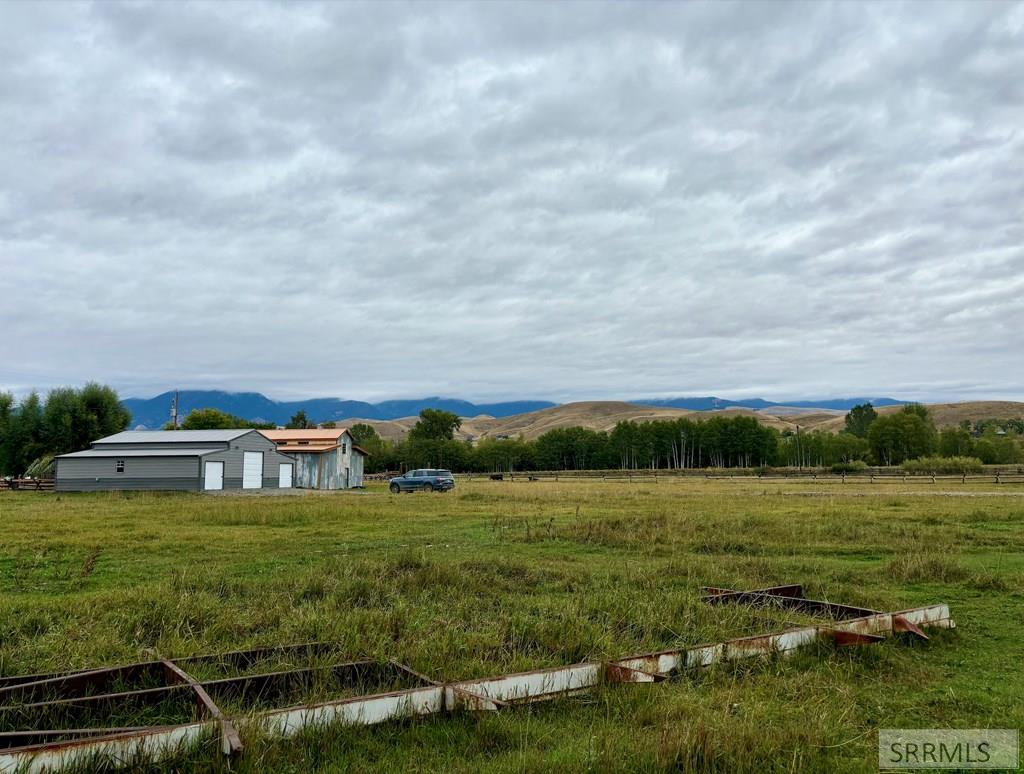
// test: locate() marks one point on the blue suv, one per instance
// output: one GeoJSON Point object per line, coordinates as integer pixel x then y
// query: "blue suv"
{"type": "Point", "coordinates": [428, 480]}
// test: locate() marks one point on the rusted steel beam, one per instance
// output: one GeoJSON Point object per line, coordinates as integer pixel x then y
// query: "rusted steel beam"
{"type": "Point", "coordinates": [460, 699]}
{"type": "Point", "coordinates": [810, 606]}
{"type": "Point", "coordinates": [230, 741]}
{"type": "Point", "coordinates": [241, 685]}
{"type": "Point", "coordinates": [863, 630]}
{"type": "Point", "coordinates": [616, 673]}
{"type": "Point", "coordinates": [121, 749]}
{"type": "Point", "coordinates": [536, 685]}
{"type": "Point", "coordinates": [790, 590]}
{"type": "Point", "coordinates": [901, 625]}
{"type": "Point", "coordinates": [15, 739]}
{"type": "Point", "coordinates": [94, 678]}
{"type": "Point", "coordinates": [844, 639]}
{"type": "Point", "coordinates": [147, 695]}
{"type": "Point", "coordinates": [68, 683]}
{"type": "Point", "coordinates": [362, 710]}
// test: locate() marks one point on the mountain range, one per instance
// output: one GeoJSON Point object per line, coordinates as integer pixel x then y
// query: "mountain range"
{"type": "Point", "coordinates": [154, 412]}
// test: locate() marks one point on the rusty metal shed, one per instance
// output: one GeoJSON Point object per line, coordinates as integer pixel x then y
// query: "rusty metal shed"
{"type": "Point", "coordinates": [324, 459]}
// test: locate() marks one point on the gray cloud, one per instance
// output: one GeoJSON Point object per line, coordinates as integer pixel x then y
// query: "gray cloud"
{"type": "Point", "coordinates": [511, 200]}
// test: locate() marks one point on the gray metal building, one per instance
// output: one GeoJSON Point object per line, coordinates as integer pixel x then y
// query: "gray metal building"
{"type": "Point", "coordinates": [189, 460]}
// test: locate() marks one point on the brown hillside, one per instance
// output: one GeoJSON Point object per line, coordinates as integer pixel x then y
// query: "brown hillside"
{"type": "Point", "coordinates": [604, 415]}
{"type": "Point", "coordinates": [596, 415]}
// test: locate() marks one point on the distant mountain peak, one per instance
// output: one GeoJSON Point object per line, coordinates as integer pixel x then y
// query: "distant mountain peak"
{"type": "Point", "coordinates": [155, 412]}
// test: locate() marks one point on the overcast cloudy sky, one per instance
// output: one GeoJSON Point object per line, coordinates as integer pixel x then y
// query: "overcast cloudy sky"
{"type": "Point", "coordinates": [562, 200]}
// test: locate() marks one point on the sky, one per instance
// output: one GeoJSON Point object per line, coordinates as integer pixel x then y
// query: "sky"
{"type": "Point", "coordinates": [568, 201]}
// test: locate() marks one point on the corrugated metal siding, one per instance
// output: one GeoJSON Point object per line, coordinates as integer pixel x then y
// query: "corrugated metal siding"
{"type": "Point", "coordinates": [190, 484]}
{"type": "Point", "coordinates": [232, 459]}
{"type": "Point", "coordinates": [155, 473]}
{"type": "Point", "coordinates": [307, 471]}
{"type": "Point", "coordinates": [328, 470]}
{"type": "Point", "coordinates": [156, 445]}
{"type": "Point", "coordinates": [85, 474]}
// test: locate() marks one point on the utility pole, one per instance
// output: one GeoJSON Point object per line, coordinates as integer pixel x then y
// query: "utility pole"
{"type": "Point", "coordinates": [174, 411]}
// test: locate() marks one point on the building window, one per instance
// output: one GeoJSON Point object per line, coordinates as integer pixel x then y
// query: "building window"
{"type": "Point", "coordinates": [119, 466]}
{"type": "Point", "coordinates": [344, 448]}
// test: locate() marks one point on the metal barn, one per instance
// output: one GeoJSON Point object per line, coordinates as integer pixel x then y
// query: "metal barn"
{"type": "Point", "coordinates": [324, 459]}
{"type": "Point", "coordinates": [189, 460]}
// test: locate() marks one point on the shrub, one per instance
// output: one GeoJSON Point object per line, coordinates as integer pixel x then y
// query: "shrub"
{"type": "Point", "coordinates": [923, 466]}
{"type": "Point", "coordinates": [853, 466]}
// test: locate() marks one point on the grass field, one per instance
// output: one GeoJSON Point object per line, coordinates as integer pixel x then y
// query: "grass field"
{"type": "Point", "coordinates": [501, 577]}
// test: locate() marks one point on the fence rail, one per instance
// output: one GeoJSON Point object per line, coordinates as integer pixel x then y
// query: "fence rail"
{"type": "Point", "coordinates": [29, 484]}
{"type": "Point", "coordinates": [996, 476]}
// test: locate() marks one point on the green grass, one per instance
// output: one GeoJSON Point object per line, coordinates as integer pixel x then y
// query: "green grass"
{"type": "Point", "coordinates": [501, 577]}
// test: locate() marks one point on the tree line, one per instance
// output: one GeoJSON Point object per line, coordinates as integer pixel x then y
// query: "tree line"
{"type": "Point", "coordinates": [68, 420]}
{"type": "Point", "coordinates": [715, 442]}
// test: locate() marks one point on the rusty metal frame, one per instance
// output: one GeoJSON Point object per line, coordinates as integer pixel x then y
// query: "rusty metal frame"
{"type": "Point", "coordinates": [847, 625]}
{"type": "Point", "coordinates": [35, 750]}
{"type": "Point", "coordinates": [29, 750]}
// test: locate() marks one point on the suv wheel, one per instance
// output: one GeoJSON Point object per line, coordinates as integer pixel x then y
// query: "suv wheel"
{"type": "Point", "coordinates": [428, 487]}
{"type": "Point", "coordinates": [395, 488]}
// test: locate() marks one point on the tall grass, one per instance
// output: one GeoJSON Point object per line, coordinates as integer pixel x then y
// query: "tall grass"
{"type": "Point", "coordinates": [502, 577]}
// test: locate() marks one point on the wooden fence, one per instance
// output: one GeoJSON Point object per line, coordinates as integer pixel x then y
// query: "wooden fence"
{"type": "Point", "coordinates": [27, 484]}
{"type": "Point", "coordinates": [1003, 475]}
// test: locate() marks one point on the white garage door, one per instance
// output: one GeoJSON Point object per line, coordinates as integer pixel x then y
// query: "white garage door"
{"type": "Point", "coordinates": [252, 470]}
{"type": "Point", "coordinates": [213, 475]}
{"type": "Point", "coordinates": [285, 477]}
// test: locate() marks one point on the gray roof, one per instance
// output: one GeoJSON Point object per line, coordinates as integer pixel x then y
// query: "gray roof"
{"type": "Point", "coordinates": [157, 452]}
{"type": "Point", "coordinates": [173, 436]}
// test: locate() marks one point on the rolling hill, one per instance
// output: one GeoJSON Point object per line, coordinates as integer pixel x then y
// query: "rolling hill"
{"type": "Point", "coordinates": [530, 419]}
{"type": "Point", "coordinates": [154, 412]}
{"type": "Point", "coordinates": [604, 415]}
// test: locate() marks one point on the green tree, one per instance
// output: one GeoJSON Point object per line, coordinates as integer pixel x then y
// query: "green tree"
{"type": "Point", "coordinates": [6, 425]}
{"type": "Point", "coordinates": [494, 455]}
{"type": "Point", "coordinates": [299, 421]}
{"type": "Point", "coordinates": [437, 453]}
{"type": "Point", "coordinates": [214, 419]}
{"type": "Point", "coordinates": [364, 435]}
{"type": "Point", "coordinates": [956, 442]}
{"type": "Point", "coordinates": [573, 448]}
{"type": "Point", "coordinates": [435, 425]}
{"type": "Point", "coordinates": [73, 419]}
{"type": "Point", "coordinates": [24, 438]}
{"type": "Point", "coordinates": [859, 419]}
{"type": "Point", "coordinates": [908, 434]}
